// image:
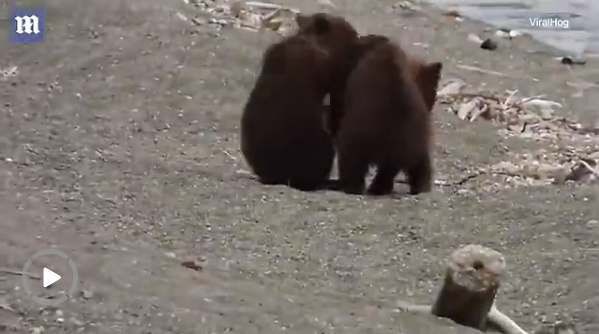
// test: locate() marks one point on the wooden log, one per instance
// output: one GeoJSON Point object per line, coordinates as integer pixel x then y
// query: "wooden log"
{"type": "Point", "coordinates": [468, 293]}
{"type": "Point", "coordinates": [502, 323]}
{"type": "Point", "coordinates": [470, 285]}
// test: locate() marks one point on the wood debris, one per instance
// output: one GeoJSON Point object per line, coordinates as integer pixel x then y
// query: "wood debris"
{"type": "Point", "coordinates": [573, 150]}
{"type": "Point", "coordinates": [250, 15]}
{"type": "Point", "coordinates": [528, 117]}
{"type": "Point", "coordinates": [545, 167]}
{"type": "Point", "coordinates": [9, 72]}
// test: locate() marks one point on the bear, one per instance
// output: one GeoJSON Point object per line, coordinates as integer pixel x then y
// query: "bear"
{"type": "Point", "coordinates": [282, 137]}
{"type": "Point", "coordinates": [360, 47]}
{"type": "Point", "coordinates": [346, 47]}
{"type": "Point", "coordinates": [386, 123]}
{"type": "Point", "coordinates": [426, 75]}
{"type": "Point", "coordinates": [336, 35]}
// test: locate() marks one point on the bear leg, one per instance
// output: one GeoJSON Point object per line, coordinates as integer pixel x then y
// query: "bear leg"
{"type": "Point", "coordinates": [382, 184]}
{"type": "Point", "coordinates": [420, 176]}
{"type": "Point", "coordinates": [352, 174]}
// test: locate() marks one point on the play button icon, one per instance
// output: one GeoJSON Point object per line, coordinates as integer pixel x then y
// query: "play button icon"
{"type": "Point", "coordinates": [49, 277]}
{"type": "Point", "coordinates": [54, 288]}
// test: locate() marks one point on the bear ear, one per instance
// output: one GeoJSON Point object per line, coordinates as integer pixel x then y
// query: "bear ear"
{"type": "Point", "coordinates": [428, 79]}
{"type": "Point", "coordinates": [317, 23]}
{"type": "Point", "coordinates": [433, 71]}
{"type": "Point", "coordinates": [321, 23]}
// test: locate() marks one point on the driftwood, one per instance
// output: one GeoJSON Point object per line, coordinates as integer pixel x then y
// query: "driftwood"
{"type": "Point", "coordinates": [468, 292]}
{"type": "Point", "coordinates": [18, 273]}
{"type": "Point", "coordinates": [470, 286]}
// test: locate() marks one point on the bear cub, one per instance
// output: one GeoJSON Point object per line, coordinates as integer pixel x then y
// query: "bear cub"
{"type": "Point", "coordinates": [336, 35]}
{"type": "Point", "coordinates": [282, 137]}
{"type": "Point", "coordinates": [387, 122]}
{"type": "Point", "coordinates": [359, 48]}
{"type": "Point", "coordinates": [282, 134]}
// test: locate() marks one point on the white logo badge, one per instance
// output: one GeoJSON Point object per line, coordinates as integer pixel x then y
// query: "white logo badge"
{"type": "Point", "coordinates": [28, 24]}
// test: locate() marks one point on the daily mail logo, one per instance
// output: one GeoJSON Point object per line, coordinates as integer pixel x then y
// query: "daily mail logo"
{"type": "Point", "coordinates": [26, 24]}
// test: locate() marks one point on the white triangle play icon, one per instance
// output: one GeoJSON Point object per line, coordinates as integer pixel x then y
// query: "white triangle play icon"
{"type": "Point", "coordinates": [49, 277]}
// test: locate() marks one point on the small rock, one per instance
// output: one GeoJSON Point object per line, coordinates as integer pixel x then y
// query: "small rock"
{"type": "Point", "coordinates": [488, 44]}
{"type": "Point", "coordinates": [326, 4]}
{"type": "Point", "coordinates": [192, 265]}
{"type": "Point", "coordinates": [507, 33]}
{"type": "Point", "coordinates": [474, 38]}
{"type": "Point", "coordinates": [572, 61]}
{"type": "Point", "coordinates": [199, 21]}
{"type": "Point", "coordinates": [243, 172]}
{"type": "Point", "coordinates": [593, 223]}
{"type": "Point", "coordinates": [5, 306]}
{"type": "Point", "coordinates": [181, 16]}
{"type": "Point", "coordinates": [452, 88]}
{"type": "Point", "coordinates": [514, 33]}
{"type": "Point", "coordinates": [86, 294]}
{"type": "Point", "coordinates": [464, 192]}
{"type": "Point", "coordinates": [37, 330]}
{"type": "Point", "coordinates": [77, 322]}
{"type": "Point", "coordinates": [453, 12]}
{"type": "Point", "coordinates": [502, 34]}
{"type": "Point", "coordinates": [406, 7]}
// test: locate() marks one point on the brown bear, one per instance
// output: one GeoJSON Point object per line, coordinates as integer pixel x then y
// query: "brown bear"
{"type": "Point", "coordinates": [426, 75]}
{"type": "Point", "coordinates": [282, 137]}
{"type": "Point", "coordinates": [340, 39]}
{"type": "Point", "coordinates": [360, 47]}
{"type": "Point", "coordinates": [346, 48]}
{"type": "Point", "coordinates": [282, 134]}
{"type": "Point", "coordinates": [386, 122]}
{"type": "Point", "coordinates": [334, 33]}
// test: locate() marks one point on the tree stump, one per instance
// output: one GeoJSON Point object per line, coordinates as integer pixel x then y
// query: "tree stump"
{"type": "Point", "coordinates": [470, 285]}
{"type": "Point", "coordinates": [468, 293]}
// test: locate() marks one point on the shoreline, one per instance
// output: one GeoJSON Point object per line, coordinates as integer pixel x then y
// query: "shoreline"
{"type": "Point", "coordinates": [528, 65]}
{"type": "Point", "coordinates": [573, 39]}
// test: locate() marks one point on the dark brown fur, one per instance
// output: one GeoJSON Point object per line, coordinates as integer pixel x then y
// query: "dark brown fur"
{"type": "Point", "coordinates": [340, 39]}
{"type": "Point", "coordinates": [360, 48]}
{"type": "Point", "coordinates": [386, 123]}
{"type": "Point", "coordinates": [426, 76]}
{"type": "Point", "coordinates": [334, 33]}
{"type": "Point", "coordinates": [282, 137]}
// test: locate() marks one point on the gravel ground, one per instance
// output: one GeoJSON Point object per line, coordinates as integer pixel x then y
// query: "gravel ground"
{"type": "Point", "coordinates": [119, 146]}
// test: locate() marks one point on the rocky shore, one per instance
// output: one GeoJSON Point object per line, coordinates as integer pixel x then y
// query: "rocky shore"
{"type": "Point", "coordinates": [119, 146]}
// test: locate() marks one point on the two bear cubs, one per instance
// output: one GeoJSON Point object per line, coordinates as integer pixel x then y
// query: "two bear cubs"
{"type": "Point", "coordinates": [379, 114]}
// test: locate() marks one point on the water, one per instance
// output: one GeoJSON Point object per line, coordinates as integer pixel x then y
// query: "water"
{"type": "Point", "coordinates": [579, 31]}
